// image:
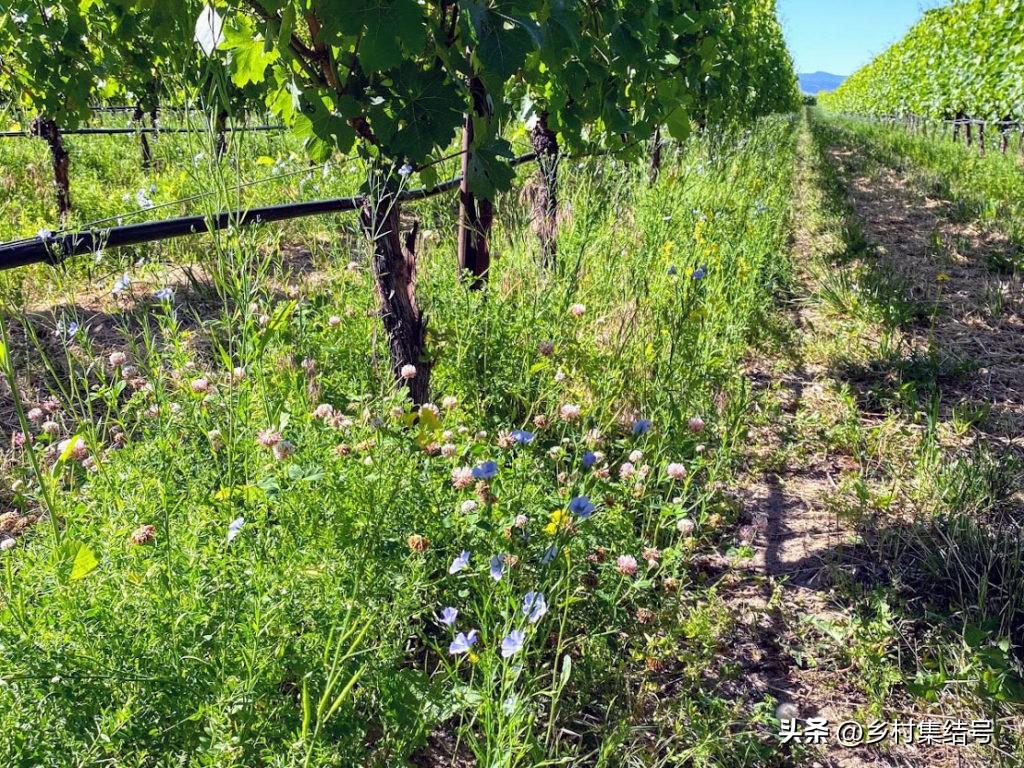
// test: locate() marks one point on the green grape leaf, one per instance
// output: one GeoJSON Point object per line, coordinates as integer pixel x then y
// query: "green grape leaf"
{"type": "Point", "coordinates": [488, 171]}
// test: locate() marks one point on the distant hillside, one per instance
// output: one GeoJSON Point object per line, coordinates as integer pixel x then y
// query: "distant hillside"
{"type": "Point", "coordinates": [815, 82]}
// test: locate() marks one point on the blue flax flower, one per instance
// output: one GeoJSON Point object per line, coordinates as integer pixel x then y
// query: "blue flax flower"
{"type": "Point", "coordinates": [582, 507]}
{"type": "Point", "coordinates": [462, 642]}
{"type": "Point", "coordinates": [641, 426]}
{"type": "Point", "coordinates": [448, 616]}
{"type": "Point", "coordinates": [513, 643]}
{"type": "Point", "coordinates": [534, 606]}
{"type": "Point", "coordinates": [497, 567]}
{"type": "Point", "coordinates": [486, 470]}
{"type": "Point", "coordinates": [523, 436]}
{"type": "Point", "coordinates": [460, 562]}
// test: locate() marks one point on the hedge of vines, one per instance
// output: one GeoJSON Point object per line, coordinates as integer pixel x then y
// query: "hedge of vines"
{"type": "Point", "coordinates": [964, 60]}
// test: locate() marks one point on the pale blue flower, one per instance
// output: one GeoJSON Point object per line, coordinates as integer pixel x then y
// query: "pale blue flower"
{"type": "Point", "coordinates": [460, 562]}
{"type": "Point", "coordinates": [122, 284]}
{"type": "Point", "coordinates": [462, 642]}
{"type": "Point", "coordinates": [534, 606]}
{"type": "Point", "coordinates": [165, 294]}
{"type": "Point", "coordinates": [448, 616]}
{"type": "Point", "coordinates": [405, 171]}
{"type": "Point", "coordinates": [513, 643]}
{"type": "Point", "coordinates": [497, 567]}
{"type": "Point", "coordinates": [549, 554]}
{"type": "Point", "coordinates": [235, 527]}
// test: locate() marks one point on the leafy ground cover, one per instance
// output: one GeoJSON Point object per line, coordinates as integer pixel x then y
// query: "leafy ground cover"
{"type": "Point", "coordinates": [753, 441]}
{"type": "Point", "coordinates": [233, 543]}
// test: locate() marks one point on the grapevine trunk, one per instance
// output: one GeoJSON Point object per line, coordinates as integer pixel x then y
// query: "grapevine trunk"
{"type": "Point", "coordinates": [394, 272]}
{"type": "Point", "coordinates": [47, 129]}
{"type": "Point", "coordinates": [654, 168]}
{"type": "Point", "coordinates": [545, 144]}
{"type": "Point", "coordinates": [475, 216]}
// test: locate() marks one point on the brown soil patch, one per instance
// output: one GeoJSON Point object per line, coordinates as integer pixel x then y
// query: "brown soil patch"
{"type": "Point", "coordinates": [973, 314]}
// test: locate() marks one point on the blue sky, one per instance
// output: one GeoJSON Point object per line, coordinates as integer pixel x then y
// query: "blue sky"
{"type": "Point", "coordinates": [840, 36]}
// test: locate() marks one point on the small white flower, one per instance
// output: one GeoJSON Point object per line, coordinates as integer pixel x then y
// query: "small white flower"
{"type": "Point", "coordinates": [44, 234]}
{"type": "Point", "coordinates": [408, 371]}
{"type": "Point", "coordinates": [685, 526]}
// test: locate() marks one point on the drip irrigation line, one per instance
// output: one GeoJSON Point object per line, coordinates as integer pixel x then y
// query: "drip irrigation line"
{"type": "Point", "coordinates": [53, 249]}
{"type": "Point", "coordinates": [141, 129]}
{"type": "Point", "coordinates": [129, 108]}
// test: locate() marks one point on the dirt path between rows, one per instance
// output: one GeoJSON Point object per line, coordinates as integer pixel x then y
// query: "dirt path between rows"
{"type": "Point", "coordinates": [792, 610]}
{"type": "Point", "coordinates": [970, 313]}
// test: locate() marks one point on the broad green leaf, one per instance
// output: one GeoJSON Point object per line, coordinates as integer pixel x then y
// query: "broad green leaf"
{"type": "Point", "coordinates": [85, 562]}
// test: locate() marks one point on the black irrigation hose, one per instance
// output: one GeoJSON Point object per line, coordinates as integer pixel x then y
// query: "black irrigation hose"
{"type": "Point", "coordinates": [140, 129]}
{"type": "Point", "coordinates": [53, 249]}
{"type": "Point", "coordinates": [129, 108]}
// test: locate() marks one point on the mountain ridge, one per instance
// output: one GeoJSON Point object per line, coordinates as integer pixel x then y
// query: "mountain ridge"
{"type": "Point", "coordinates": [816, 82]}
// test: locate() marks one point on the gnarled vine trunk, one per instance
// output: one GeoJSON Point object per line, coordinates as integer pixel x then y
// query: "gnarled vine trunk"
{"type": "Point", "coordinates": [475, 216]}
{"type": "Point", "coordinates": [654, 166]}
{"type": "Point", "coordinates": [46, 129]}
{"type": "Point", "coordinates": [545, 144]}
{"type": "Point", "coordinates": [394, 273]}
